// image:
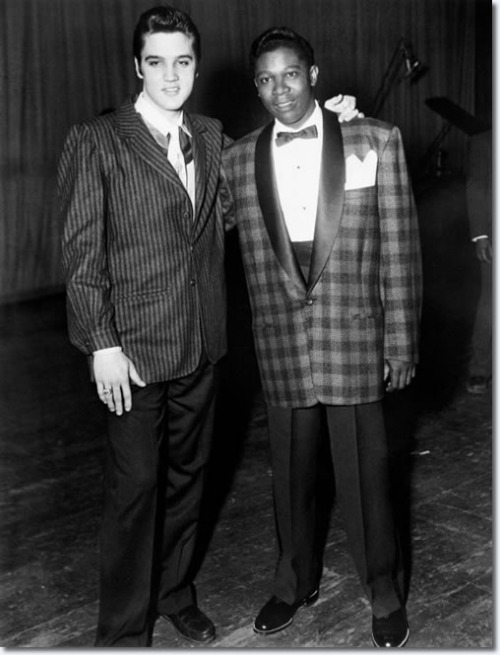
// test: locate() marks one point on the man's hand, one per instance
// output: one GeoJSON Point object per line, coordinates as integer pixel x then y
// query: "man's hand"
{"type": "Point", "coordinates": [113, 372]}
{"type": "Point", "coordinates": [398, 374]}
{"type": "Point", "coordinates": [484, 251]}
{"type": "Point", "coordinates": [344, 106]}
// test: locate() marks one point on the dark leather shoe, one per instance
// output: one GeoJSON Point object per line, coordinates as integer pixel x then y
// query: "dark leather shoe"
{"type": "Point", "coordinates": [391, 631]}
{"type": "Point", "coordinates": [277, 615]}
{"type": "Point", "coordinates": [192, 624]}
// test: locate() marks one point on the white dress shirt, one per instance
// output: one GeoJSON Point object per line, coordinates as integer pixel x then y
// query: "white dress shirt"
{"type": "Point", "coordinates": [297, 167]}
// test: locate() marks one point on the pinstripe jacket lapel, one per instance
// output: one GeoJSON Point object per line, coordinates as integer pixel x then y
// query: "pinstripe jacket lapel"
{"type": "Point", "coordinates": [271, 208]}
{"type": "Point", "coordinates": [331, 197]}
{"type": "Point", "coordinates": [132, 128]}
{"type": "Point", "coordinates": [197, 130]}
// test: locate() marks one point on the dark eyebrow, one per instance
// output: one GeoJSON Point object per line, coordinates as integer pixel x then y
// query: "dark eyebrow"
{"type": "Point", "coordinates": [186, 56]}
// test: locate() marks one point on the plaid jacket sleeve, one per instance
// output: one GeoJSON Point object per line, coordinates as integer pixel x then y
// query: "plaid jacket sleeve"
{"type": "Point", "coordinates": [400, 274]}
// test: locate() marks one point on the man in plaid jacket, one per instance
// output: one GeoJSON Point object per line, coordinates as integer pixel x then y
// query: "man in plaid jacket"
{"type": "Point", "coordinates": [329, 239]}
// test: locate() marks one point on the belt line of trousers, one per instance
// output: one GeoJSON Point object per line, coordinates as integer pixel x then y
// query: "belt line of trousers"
{"type": "Point", "coordinates": [155, 467]}
{"type": "Point", "coordinates": [358, 448]}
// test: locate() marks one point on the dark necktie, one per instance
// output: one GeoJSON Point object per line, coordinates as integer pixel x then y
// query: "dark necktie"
{"type": "Point", "coordinates": [185, 144]}
{"type": "Point", "coordinates": [310, 132]}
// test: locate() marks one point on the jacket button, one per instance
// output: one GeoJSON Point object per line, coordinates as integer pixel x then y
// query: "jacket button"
{"type": "Point", "coordinates": [309, 301]}
{"type": "Point", "coordinates": [192, 282]}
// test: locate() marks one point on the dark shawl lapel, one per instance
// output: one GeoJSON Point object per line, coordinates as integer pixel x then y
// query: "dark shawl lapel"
{"type": "Point", "coordinates": [330, 201]}
{"type": "Point", "coordinates": [271, 209]}
{"type": "Point", "coordinates": [330, 198]}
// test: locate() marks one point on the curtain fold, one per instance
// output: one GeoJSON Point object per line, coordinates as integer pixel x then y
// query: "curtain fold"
{"type": "Point", "coordinates": [66, 60]}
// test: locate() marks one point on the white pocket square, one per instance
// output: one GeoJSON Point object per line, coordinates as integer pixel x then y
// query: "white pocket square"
{"type": "Point", "coordinates": [360, 174]}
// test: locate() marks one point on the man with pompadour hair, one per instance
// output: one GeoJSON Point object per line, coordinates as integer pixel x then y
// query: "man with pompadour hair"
{"type": "Point", "coordinates": [143, 251]}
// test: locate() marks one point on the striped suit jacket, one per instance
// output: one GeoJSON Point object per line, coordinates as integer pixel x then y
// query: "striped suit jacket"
{"type": "Point", "coordinates": [142, 272]}
{"type": "Point", "coordinates": [325, 339]}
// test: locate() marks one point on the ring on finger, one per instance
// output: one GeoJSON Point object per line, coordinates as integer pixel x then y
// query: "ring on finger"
{"type": "Point", "coordinates": [106, 392]}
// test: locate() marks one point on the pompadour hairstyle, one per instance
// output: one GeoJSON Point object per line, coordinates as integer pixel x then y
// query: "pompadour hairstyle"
{"type": "Point", "coordinates": [165, 19]}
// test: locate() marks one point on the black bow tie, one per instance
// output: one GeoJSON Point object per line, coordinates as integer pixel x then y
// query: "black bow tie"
{"type": "Point", "coordinates": [310, 132]}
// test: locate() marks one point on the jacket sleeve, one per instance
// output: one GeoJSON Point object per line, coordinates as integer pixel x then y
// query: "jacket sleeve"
{"type": "Point", "coordinates": [401, 270]}
{"type": "Point", "coordinates": [83, 206]}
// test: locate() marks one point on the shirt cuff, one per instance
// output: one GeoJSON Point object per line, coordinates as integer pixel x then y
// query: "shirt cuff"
{"type": "Point", "coordinates": [113, 349]}
{"type": "Point", "coordinates": [482, 236]}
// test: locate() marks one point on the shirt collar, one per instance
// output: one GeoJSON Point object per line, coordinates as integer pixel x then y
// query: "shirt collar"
{"type": "Point", "coordinates": [155, 117]}
{"type": "Point", "coordinates": [316, 118]}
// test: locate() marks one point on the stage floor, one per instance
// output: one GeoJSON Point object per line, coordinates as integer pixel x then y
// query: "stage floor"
{"type": "Point", "coordinates": [52, 433]}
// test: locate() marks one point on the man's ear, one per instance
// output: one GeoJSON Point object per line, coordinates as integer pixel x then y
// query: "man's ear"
{"type": "Point", "coordinates": [313, 75]}
{"type": "Point", "coordinates": [138, 69]}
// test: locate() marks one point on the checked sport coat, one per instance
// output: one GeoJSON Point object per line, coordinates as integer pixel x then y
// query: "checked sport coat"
{"type": "Point", "coordinates": [325, 339]}
{"type": "Point", "coordinates": [142, 272]}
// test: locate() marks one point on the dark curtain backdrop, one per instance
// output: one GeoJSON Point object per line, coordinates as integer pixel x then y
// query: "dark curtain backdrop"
{"type": "Point", "coordinates": [66, 60]}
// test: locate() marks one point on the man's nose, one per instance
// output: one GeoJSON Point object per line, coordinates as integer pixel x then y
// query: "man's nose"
{"type": "Point", "coordinates": [280, 86]}
{"type": "Point", "coordinates": [169, 72]}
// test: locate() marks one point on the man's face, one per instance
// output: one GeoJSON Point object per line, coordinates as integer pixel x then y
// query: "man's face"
{"type": "Point", "coordinates": [285, 85]}
{"type": "Point", "coordinates": [168, 67]}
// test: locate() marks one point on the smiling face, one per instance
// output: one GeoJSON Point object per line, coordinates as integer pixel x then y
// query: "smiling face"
{"type": "Point", "coordinates": [168, 68]}
{"type": "Point", "coordinates": [285, 85]}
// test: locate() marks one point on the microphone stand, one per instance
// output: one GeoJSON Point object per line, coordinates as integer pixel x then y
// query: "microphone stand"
{"type": "Point", "coordinates": [391, 74]}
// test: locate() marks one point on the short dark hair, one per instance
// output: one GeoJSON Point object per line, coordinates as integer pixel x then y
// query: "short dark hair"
{"type": "Point", "coordinates": [165, 19]}
{"type": "Point", "coordinates": [281, 37]}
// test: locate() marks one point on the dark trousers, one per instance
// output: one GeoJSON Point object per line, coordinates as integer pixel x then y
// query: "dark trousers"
{"type": "Point", "coordinates": [359, 453]}
{"type": "Point", "coordinates": [156, 460]}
